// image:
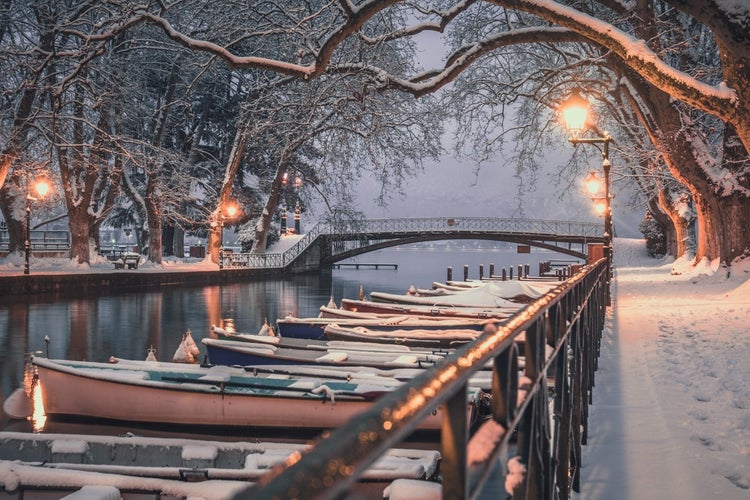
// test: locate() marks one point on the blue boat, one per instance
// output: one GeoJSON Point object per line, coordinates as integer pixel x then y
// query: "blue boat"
{"type": "Point", "coordinates": [314, 328]}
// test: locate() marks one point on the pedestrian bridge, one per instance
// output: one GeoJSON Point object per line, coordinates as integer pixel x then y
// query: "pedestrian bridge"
{"type": "Point", "coordinates": [329, 242]}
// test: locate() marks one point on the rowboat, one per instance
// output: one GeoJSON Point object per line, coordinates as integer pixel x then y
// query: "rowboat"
{"type": "Point", "coordinates": [493, 294]}
{"type": "Point", "coordinates": [156, 392]}
{"type": "Point", "coordinates": [57, 464]}
{"type": "Point", "coordinates": [444, 339]}
{"type": "Point", "coordinates": [313, 328]}
{"type": "Point", "coordinates": [436, 311]}
{"type": "Point", "coordinates": [321, 353]}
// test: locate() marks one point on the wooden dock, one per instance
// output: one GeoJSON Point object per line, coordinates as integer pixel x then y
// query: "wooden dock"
{"type": "Point", "coordinates": [356, 265]}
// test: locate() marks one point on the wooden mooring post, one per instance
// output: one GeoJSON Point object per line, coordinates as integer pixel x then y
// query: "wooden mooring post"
{"type": "Point", "coordinates": [481, 271]}
{"type": "Point", "coordinates": [449, 274]}
{"type": "Point", "coordinates": [466, 272]}
{"type": "Point", "coordinates": [492, 270]}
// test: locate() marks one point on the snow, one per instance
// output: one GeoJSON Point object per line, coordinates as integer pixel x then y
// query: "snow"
{"type": "Point", "coordinates": [671, 405]}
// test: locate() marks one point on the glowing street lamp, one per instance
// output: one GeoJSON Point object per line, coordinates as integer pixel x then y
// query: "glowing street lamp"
{"type": "Point", "coordinates": [575, 110]}
{"type": "Point", "coordinates": [42, 187]}
{"type": "Point", "coordinates": [593, 184]}
{"type": "Point", "coordinates": [229, 213]}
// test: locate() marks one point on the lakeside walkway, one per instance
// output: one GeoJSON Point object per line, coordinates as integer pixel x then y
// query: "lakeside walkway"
{"type": "Point", "coordinates": [671, 406]}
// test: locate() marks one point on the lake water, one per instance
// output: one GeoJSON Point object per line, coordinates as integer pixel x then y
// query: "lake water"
{"type": "Point", "coordinates": [127, 325]}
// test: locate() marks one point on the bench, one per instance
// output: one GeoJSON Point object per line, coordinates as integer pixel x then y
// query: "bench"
{"type": "Point", "coordinates": [129, 260]}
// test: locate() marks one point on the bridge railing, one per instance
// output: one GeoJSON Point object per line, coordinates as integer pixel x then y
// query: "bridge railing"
{"type": "Point", "coordinates": [363, 228]}
{"type": "Point", "coordinates": [561, 338]}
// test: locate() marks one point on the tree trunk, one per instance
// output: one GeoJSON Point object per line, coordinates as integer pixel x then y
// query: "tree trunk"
{"type": "Point", "coordinates": [178, 242]}
{"type": "Point", "coordinates": [235, 158]}
{"type": "Point", "coordinates": [9, 205]}
{"type": "Point", "coordinates": [153, 218]}
{"type": "Point", "coordinates": [80, 243]}
{"type": "Point", "coordinates": [167, 236]}
{"type": "Point", "coordinates": [659, 213]}
{"type": "Point", "coordinates": [680, 234]}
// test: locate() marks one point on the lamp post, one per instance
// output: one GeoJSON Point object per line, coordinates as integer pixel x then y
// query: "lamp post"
{"type": "Point", "coordinates": [42, 188]}
{"type": "Point", "coordinates": [575, 111]}
{"type": "Point", "coordinates": [228, 214]}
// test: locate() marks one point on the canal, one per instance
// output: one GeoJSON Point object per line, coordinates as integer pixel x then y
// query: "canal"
{"type": "Point", "coordinates": [127, 325]}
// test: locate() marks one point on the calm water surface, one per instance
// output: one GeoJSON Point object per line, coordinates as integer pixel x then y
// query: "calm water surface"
{"type": "Point", "coordinates": [125, 326]}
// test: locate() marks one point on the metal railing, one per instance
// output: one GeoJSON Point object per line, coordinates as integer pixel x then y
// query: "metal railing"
{"type": "Point", "coordinates": [363, 229]}
{"type": "Point", "coordinates": [560, 334]}
{"type": "Point", "coordinates": [41, 240]}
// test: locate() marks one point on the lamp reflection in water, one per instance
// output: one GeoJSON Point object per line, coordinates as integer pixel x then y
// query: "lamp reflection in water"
{"type": "Point", "coordinates": [38, 417]}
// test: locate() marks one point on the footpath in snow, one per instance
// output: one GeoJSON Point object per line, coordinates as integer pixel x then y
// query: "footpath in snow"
{"type": "Point", "coordinates": [671, 406]}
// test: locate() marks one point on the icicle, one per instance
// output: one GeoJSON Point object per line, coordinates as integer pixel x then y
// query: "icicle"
{"type": "Point", "coordinates": [151, 354]}
{"type": "Point", "coordinates": [332, 303]}
{"type": "Point", "coordinates": [190, 343]}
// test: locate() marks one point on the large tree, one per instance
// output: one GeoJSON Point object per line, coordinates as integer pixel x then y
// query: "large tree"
{"type": "Point", "coordinates": [612, 27]}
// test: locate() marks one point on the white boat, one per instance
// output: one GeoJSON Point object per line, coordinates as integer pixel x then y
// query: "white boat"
{"type": "Point", "coordinates": [168, 467]}
{"type": "Point", "coordinates": [493, 294]}
{"type": "Point", "coordinates": [318, 352]}
{"type": "Point", "coordinates": [147, 391]}
{"type": "Point", "coordinates": [362, 308]}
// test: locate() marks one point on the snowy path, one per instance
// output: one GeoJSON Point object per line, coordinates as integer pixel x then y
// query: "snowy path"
{"type": "Point", "coordinates": [671, 412]}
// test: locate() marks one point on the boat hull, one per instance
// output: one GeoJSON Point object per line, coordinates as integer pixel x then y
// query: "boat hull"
{"type": "Point", "coordinates": [65, 393]}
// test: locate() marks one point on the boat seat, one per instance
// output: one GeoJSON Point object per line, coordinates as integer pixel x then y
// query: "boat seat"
{"type": "Point", "coordinates": [405, 359]}
{"type": "Point", "coordinates": [336, 357]}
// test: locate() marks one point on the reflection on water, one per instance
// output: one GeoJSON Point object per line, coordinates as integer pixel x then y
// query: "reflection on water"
{"type": "Point", "coordinates": [127, 325]}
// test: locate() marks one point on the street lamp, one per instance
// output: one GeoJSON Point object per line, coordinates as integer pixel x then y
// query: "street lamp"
{"type": "Point", "coordinates": [230, 211]}
{"type": "Point", "coordinates": [42, 187]}
{"type": "Point", "coordinates": [575, 111]}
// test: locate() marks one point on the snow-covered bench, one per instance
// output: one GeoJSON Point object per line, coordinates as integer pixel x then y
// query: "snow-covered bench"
{"type": "Point", "coordinates": [128, 260]}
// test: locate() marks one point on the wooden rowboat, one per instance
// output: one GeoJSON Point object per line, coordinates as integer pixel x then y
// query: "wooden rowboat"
{"type": "Point", "coordinates": [313, 328]}
{"type": "Point", "coordinates": [318, 353]}
{"type": "Point", "coordinates": [147, 391]}
{"type": "Point", "coordinates": [53, 465]}
{"type": "Point", "coordinates": [382, 308]}
{"type": "Point", "coordinates": [437, 339]}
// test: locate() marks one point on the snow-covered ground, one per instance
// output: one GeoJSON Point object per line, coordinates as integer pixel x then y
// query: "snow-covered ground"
{"type": "Point", "coordinates": [671, 412]}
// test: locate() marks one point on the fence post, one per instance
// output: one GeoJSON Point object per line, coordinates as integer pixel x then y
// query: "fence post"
{"type": "Point", "coordinates": [466, 272]}
{"type": "Point", "coordinates": [449, 276]}
{"type": "Point", "coordinates": [481, 271]}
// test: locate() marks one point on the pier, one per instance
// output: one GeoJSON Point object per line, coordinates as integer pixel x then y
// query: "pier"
{"type": "Point", "coordinates": [357, 265]}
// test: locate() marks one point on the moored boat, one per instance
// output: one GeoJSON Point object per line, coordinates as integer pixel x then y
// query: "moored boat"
{"type": "Point", "coordinates": [445, 339]}
{"type": "Point", "coordinates": [144, 391]}
{"type": "Point", "coordinates": [383, 308]}
{"type": "Point", "coordinates": [313, 328]}
{"type": "Point", "coordinates": [227, 352]}
{"type": "Point", "coordinates": [493, 294]}
{"type": "Point", "coordinates": [45, 464]}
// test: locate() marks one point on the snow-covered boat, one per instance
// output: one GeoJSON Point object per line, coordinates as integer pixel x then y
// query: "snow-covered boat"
{"type": "Point", "coordinates": [438, 339]}
{"type": "Point", "coordinates": [313, 328]}
{"type": "Point", "coordinates": [322, 353]}
{"type": "Point", "coordinates": [349, 306]}
{"type": "Point", "coordinates": [493, 294]}
{"type": "Point", "coordinates": [147, 391]}
{"type": "Point", "coordinates": [47, 464]}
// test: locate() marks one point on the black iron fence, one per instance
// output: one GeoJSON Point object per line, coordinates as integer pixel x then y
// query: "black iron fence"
{"type": "Point", "coordinates": [41, 240]}
{"type": "Point", "coordinates": [543, 362]}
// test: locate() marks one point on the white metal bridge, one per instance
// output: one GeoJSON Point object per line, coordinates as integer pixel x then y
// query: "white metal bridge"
{"type": "Point", "coordinates": [329, 242]}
